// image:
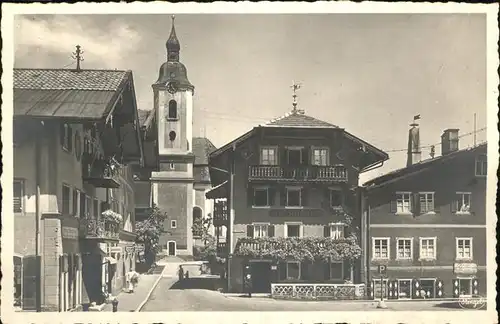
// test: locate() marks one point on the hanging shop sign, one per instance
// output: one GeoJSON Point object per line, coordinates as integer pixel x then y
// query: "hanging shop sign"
{"type": "Point", "coordinates": [116, 249]}
{"type": "Point", "coordinates": [130, 249]}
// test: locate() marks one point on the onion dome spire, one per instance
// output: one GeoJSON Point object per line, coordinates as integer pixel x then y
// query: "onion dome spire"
{"type": "Point", "coordinates": [173, 45]}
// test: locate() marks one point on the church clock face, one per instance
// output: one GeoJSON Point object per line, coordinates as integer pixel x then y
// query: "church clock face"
{"type": "Point", "coordinates": [171, 87]}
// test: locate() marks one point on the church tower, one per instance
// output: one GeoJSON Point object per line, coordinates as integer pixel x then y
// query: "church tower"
{"type": "Point", "coordinates": [173, 183]}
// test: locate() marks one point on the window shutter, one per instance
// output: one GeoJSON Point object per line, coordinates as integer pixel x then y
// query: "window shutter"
{"type": "Point", "coordinates": [305, 156]}
{"type": "Point", "coordinates": [393, 289]}
{"type": "Point", "coordinates": [394, 205]}
{"type": "Point", "coordinates": [327, 270]}
{"type": "Point", "coordinates": [70, 138]}
{"type": "Point", "coordinates": [249, 230]}
{"type": "Point", "coordinates": [304, 270]}
{"type": "Point", "coordinates": [439, 288]}
{"type": "Point", "coordinates": [304, 197]}
{"type": "Point", "coordinates": [475, 286]}
{"type": "Point", "coordinates": [282, 270]}
{"type": "Point", "coordinates": [272, 195]}
{"type": "Point", "coordinates": [415, 204]}
{"type": "Point", "coordinates": [416, 289]}
{"type": "Point", "coordinates": [270, 230]}
{"type": "Point", "coordinates": [326, 231]}
{"type": "Point", "coordinates": [456, 290]}
{"type": "Point", "coordinates": [283, 157]}
{"type": "Point", "coordinates": [454, 204]}
{"type": "Point", "coordinates": [250, 195]}
{"type": "Point", "coordinates": [61, 133]}
{"type": "Point", "coordinates": [283, 196]}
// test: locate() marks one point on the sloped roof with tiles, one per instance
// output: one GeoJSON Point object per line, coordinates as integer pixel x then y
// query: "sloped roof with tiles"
{"type": "Point", "coordinates": [63, 93]}
{"type": "Point", "coordinates": [202, 147]}
{"type": "Point", "coordinates": [412, 169]}
{"type": "Point", "coordinates": [298, 120]}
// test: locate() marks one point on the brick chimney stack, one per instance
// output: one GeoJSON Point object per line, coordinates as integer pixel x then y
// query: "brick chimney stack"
{"type": "Point", "coordinates": [449, 141]}
{"type": "Point", "coordinates": [414, 152]}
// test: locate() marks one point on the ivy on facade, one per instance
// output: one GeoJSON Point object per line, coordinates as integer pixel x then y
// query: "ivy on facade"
{"type": "Point", "coordinates": [300, 249]}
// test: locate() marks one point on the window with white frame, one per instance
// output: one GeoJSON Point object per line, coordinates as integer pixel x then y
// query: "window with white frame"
{"type": "Point", "coordinates": [293, 230]}
{"type": "Point", "coordinates": [260, 230]}
{"type": "Point", "coordinates": [293, 270]}
{"type": "Point", "coordinates": [463, 202]}
{"type": "Point", "coordinates": [293, 197]}
{"type": "Point", "coordinates": [66, 199]}
{"type": "Point", "coordinates": [426, 202]}
{"type": "Point", "coordinates": [268, 156]}
{"type": "Point", "coordinates": [380, 248]}
{"type": "Point", "coordinates": [261, 197]}
{"type": "Point", "coordinates": [464, 248]}
{"type": "Point", "coordinates": [18, 195]}
{"type": "Point", "coordinates": [481, 165]}
{"type": "Point", "coordinates": [335, 198]}
{"type": "Point", "coordinates": [320, 156]}
{"type": "Point", "coordinates": [403, 202]}
{"type": "Point", "coordinates": [337, 231]}
{"type": "Point", "coordinates": [404, 248]}
{"type": "Point", "coordinates": [427, 248]}
{"type": "Point", "coordinates": [173, 224]}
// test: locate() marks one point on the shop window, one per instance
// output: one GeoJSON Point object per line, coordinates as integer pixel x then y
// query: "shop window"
{"type": "Point", "coordinates": [293, 230]}
{"type": "Point", "coordinates": [404, 288]}
{"type": "Point", "coordinates": [428, 287]}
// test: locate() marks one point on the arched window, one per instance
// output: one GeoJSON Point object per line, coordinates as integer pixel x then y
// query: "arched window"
{"type": "Point", "coordinates": [172, 109]}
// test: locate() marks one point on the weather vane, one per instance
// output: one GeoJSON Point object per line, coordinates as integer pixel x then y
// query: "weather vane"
{"type": "Point", "coordinates": [295, 87]}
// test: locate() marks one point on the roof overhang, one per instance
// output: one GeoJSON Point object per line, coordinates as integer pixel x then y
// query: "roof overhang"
{"type": "Point", "coordinates": [218, 192]}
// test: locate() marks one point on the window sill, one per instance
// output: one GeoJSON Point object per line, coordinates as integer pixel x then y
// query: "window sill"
{"type": "Point", "coordinates": [403, 214]}
{"type": "Point", "coordinates": [427, 259]}
{"type": "Point", "coordinates": [428, 213]}
{"type": "Point", "coordinates": [462, 213]}
{"type": "Point", "coordinates": [261, 207]}
{"type": "Point", "coordinates": [380, 259]}
{"type": "Point", "coordinates": [172, 119]}
{"type": "Point", "coordinates": [294, 207]}
{"type": "Point", "coordinates": [404, 259]}
{"type": "Point", "coordinates": [464, 259]}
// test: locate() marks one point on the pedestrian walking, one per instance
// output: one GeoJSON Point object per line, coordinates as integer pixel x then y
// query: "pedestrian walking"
{"type": "Point", "coordinates": [181, 273]}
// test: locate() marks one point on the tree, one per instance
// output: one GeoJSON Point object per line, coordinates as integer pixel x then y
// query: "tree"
{"type": "Point", "coordinates": [149, 231]}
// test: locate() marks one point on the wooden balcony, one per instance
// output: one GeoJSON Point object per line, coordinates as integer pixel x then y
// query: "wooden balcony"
{"type": "Point", "coordinates": [99, 229]}
{"type": "Point", "coordinates": [313, 173]}
{"type": "Point", "coordinates": [296, 212]}
{"type": "Point", "coordinates": [220, 213]}
{"type": "Point", "coordinates": [97, 173]}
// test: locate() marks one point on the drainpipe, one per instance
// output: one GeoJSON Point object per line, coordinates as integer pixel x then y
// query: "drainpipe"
{"type": "Point", "coordinates": [38, 215]}
{"type": "Point", "coordinates": [229, 232]}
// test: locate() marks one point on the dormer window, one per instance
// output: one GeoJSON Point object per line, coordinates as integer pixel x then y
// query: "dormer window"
{"type": "Point", "coordinates": [172, 110]}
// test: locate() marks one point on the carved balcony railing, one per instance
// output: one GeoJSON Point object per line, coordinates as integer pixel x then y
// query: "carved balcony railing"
{"type": "Point", "coordinates": [99, 229]}
{"type": "Point", "coordinates": [220, 213]}
{"type": "Point", "coordinates": [336, 173]}
{"type": "Point", "coordinates": [97, 172]}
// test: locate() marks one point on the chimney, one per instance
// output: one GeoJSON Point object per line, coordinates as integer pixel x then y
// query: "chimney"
{"type": "Point", "coordinates": [414, 152]}
{"type": "Point", "coordinates": [449, 141]}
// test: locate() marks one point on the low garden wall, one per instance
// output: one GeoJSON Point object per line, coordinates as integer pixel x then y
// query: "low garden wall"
{"type": "Point", "coordinates": [318, 291]}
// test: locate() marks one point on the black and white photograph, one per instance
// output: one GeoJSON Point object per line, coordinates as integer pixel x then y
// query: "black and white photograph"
{"type": "Point", "coordinates": [211, 158]}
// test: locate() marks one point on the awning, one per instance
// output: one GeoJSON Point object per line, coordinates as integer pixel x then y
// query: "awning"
{"type": "Point", "coordinates": [221, 191]}
{"type": "Point", "coordinates": [109, 259]}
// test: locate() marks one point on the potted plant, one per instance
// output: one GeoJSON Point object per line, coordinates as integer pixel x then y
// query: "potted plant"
{"type": "Point", "coordinates": [111, 216]}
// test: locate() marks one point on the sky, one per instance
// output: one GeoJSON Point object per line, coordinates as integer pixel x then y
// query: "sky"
{"type": "Point", "coordinates": [367, 73]}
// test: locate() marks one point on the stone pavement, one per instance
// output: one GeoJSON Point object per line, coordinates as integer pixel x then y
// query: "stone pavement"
{"type": "Point", "coordinates": [129, 302]}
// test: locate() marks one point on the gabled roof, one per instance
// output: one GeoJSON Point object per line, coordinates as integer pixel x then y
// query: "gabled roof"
{"type": "Point", "coordinates": [407, 171]}
{"type": "Point", "coordinates": [63, 93]}
{"type": "Point", "coordinates": [299, 120]}
{"type": "Point", "coordinates": [202, 147]}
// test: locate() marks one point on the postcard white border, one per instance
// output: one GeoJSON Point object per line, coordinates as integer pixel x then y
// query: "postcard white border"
{"type": "Point", "coordinates": [375, 316]}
